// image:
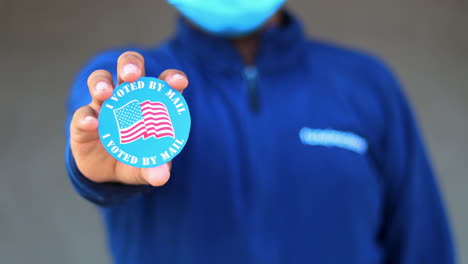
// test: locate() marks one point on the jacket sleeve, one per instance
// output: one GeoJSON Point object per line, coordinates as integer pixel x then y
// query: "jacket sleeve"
{"type": "Point", "coordinates": [415, 228]}
{"type": "Point", "coordinates": [102, 194]}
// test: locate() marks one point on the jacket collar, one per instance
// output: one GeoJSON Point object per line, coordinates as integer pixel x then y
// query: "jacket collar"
{"type": "Point", "coordinates": [281, 48]}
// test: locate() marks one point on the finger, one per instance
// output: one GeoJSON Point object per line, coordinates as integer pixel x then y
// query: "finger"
{"type": "Point", "coordinates": [175, 78]}
{"type": "Point", "coordinates": [130, 67]}
{"type": "Point", "coordinates": [156, 176]}
{"type": "Point", "coordinates": [84, 125]}
{"type": "Point", "coordinates": [100, 86]}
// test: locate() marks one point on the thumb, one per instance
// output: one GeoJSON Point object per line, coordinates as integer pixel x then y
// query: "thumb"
{"type": "Point", "coordinates": [157, 176]}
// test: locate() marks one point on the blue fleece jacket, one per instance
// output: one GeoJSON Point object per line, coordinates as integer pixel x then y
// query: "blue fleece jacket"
{"type": "Point", "coordinates": [311, 155]}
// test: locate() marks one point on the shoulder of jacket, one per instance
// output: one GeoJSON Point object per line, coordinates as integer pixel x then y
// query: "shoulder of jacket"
{"type": "Point", "coordinates": [345, 56]}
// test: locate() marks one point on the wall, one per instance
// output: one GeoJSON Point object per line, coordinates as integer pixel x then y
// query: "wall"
{"type": "Point", "coordinates": [43, 44]}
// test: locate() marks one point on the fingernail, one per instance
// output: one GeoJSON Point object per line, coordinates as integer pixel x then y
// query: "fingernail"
{"type": "Point", "coordinates": [88, 118]}
{"type": "Point", "coordinates": [130, 69]}
{"type": "Point", "coordinates": [101, 87]}
{"type": "Point", "coordinates": [179, 76]}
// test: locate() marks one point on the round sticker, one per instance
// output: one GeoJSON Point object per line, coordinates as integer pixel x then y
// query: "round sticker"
{"type": "Point", "coordinates": [145, 123]}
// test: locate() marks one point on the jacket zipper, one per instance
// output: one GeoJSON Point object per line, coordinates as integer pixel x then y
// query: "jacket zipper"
{"type": "Point", "coordinates": [251, 75]}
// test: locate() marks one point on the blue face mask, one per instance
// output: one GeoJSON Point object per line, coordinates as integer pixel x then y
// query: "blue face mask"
{"type": "Point", "coordinates": [228, 18]}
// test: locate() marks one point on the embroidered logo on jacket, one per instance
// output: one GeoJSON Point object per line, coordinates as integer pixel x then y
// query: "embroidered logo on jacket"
{"type": "Point", "coordinates": [333, 138]}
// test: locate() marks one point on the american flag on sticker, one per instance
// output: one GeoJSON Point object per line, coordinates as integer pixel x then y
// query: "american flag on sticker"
{"type": "Point", "coordinates": [137, 120]}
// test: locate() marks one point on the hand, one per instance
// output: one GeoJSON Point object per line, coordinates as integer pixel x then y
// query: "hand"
{"type": "Point", "coordinates": [89, 153]}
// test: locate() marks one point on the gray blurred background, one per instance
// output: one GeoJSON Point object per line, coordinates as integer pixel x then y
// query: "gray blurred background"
{"type": "Point", "coordinates": [44, 43]}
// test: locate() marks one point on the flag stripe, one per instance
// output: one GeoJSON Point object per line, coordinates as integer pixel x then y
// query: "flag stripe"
{"type": "Point", "coordinates": [134, 137]}
{"type": "Point", "coordinates": [153, 134]}
{"type": "Point", "coordinates": [158, 124]}
{"type": "Point", "coordinates": [156, 117]}
{"type": "Point", "coordinates": [168, 130]}
{"type": "Point", "coordinates": [147, 108]}
{"type": "Point", "coordinates": [146, 103]}
{"type": "Point", "coordinates": [133, 128]}
{"type": "Point", "coordinates": [132, 133]}
{"type": "Point", "coordinates": [152, 119]}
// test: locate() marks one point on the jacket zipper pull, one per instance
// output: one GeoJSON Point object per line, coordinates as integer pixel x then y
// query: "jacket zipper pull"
{"type": "Point", "coordinates": [251, 75]}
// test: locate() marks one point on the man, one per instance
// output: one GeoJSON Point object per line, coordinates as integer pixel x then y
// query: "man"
{"type": "Point", "coordinates": [299, 152]}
